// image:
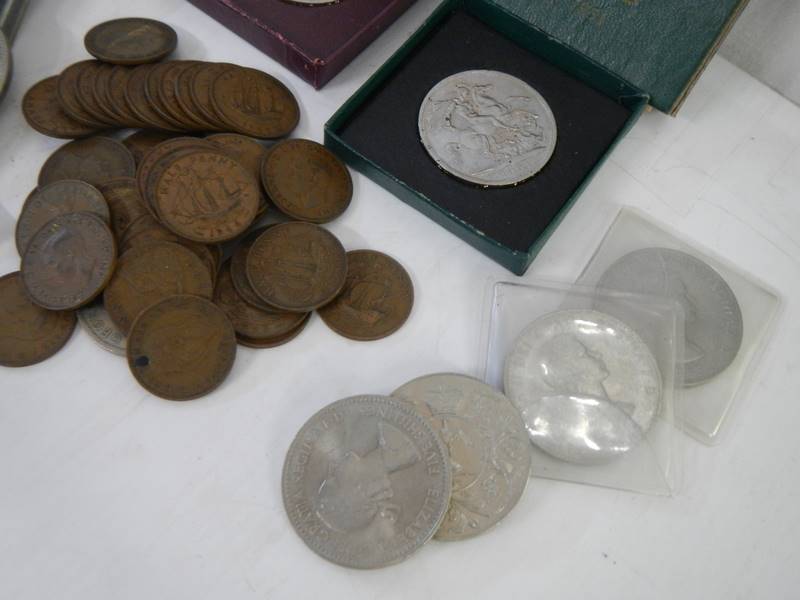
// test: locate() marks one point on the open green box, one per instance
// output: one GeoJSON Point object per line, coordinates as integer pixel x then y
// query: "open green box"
{"type": "Point", "coordinates": [633, 52]}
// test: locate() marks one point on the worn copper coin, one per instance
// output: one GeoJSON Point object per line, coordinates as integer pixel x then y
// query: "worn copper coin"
{"type": "Point", "coordinates": [58, 198]}
{"type": "Point", "coordinates": [44, 113]}
{"type": "Point", "coordinates": [94, 160]}
{"type": "Point", "coordinates": [67, 94]}
{"type": "Point", "coordinates": [139, 104]}
{"type": "Point", "coordinates": [248, 321]}
{"type": "Point", "coordinates": [264, 343]}
{"type": "Point", "coordinates": [149, 273]}
{"type": "Point", "coordinates": [205, 196]}
{"type": "Point", "coordinates": [376, 300]}
{"type": "Point", "coordinates": [131, 41]}
{"type": "Point", "coordinates": [69, 261]}
{"type": "Point", "coordinates": [117, 87]}
{"type": "Point", "coordinates": [201, 81]}
{"type": "Point", "coordinates": [28, 333]}
{"type": "Point", "coordinates": [141, 142]}
{"type": "Point", "coordinates": [124, 202]}
{"type": "Point", "coordinates": [254, 103]}
{"type": "Point", "coordinates": [239, 272]}
{"type": "Point", "coordinates": [151, 90]}
{"type": "Point", "coordinates": [87, 79]}
{"type": "Point", "coordinates": [297, 267]}
{"type": "Point", "coordinates": [184, 97]}
{"type": "Point", "coordinates": [306, 181]}
{"type": "Point", "coordinates": [102, 96]}
{"type": "Point", "coordinates": [145, 230]}
{"type": "Point", "coordinates": [247, 151]}
{"type": "Point", "coordinates": [156, 154]}
{"type": "Point", "coordinates": [181, 348]}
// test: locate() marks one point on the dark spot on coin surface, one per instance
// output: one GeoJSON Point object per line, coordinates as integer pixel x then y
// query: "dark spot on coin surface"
{"type": "Point", "coordinates": [307, 181]}
{"type": "Point", "coordinates": [297, 267]}
{"type": "Point", "coordinates": [376, 300]}
{"type": "Point", "coordinates": [69, 261]}
{"type": "Point", "coordinates": [131, 41]}
{"type": "Point", "coordinates": [94, 160]}
{"type": "Point", "coordinates": [28, 333]}
{"type": "Point", "coordinates": [181, 348]}
{"type": "Point", "coordinates": [59, 198]}
{"type": "Point", "coordinates": [44, 112]}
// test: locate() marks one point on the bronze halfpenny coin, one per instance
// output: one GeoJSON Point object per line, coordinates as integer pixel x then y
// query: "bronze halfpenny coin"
{"type": "Point", "coordinates": [131, 41]}
{"type": "Point", "coordinates": [239, 272]}
{"type": "Point", "coordinates": [254, 103]}
{"type": "Point", "coordinates": [67, 92]}
{"type": "Point", "coordinates": [205, 196]}
{"type": "Point", "coordinates": [50, 201]}
{"type": "Point", "coordinates": [141, 142]}
{"type": "Point", "coordinates": [306, 181]}
{"type": "Point", "coordinates": [94, 160]}
{"type": "Point", "coordinates": [297, 267]}
{"type": "Point", "coordinates": [247, 151]}
{"type": "Point", "coordinates": [181, 348]}
{"type": "Point", "coordinates": [44, 113]}
{"type": "Point", "coordinates": [149, 273]}
{"type": "Point", "coordinates": [124, 202]}
{"type": "Point", "coordinates": [69, 261]}
{"type": "Point", "coordinates": [248, 321]}
{"type": "Point", "coordinates": [274, 342]}
{"type": "Point", "coordinates": [28, 333]}
{"type": "Point", "coordinates": [376, 300]}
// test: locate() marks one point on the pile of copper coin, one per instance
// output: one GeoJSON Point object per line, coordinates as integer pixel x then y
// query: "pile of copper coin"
{"type": "Point", "coordinates": [158, 242]}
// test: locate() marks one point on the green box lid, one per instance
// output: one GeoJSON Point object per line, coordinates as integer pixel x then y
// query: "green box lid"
{"type": "Point", "coordinates": [658, 46]}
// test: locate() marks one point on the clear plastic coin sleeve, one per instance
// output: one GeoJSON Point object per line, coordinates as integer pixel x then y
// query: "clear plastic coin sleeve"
{"type": "Point", "coordinates": [728, 313]}
{"type": "Point", "coordinates": [596, 377]}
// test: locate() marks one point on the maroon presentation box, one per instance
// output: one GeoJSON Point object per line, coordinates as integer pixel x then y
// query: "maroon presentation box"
{"type": "Point", "coordinates": [315, 42]}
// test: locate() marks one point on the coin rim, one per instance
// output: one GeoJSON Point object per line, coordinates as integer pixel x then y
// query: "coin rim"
{"type": "Point", "coordinates": [171, 42]}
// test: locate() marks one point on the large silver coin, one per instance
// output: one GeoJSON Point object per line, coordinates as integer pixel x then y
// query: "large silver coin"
{"type": "Point", "coordinates": [586, 384]}
{"type": "Point", "coordinates": [366, 482]}
{"type": "Point", "coordinates": [97, 322]}
{"type": "Point", "coordinates": [712, 314]}
{"type": "Point", "coordinates": [489, 450]}
{"type": "Point", "coordinates": [488, 128]}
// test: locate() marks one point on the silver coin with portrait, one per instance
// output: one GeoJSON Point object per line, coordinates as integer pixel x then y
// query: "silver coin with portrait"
{"type": "Point", "coordinates": [586, 384]}
{"type": "Point", "coordinates": [489, 451]}
{"type": "Point", "coordinates": [712, 315]}
{"type": "Point", "coordinates": [487, 128]}
{"type": "Point", "coordinates": [366, 482]}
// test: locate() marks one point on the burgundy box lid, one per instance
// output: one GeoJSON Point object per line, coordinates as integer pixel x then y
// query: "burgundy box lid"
{"type": "Point", "coordinates": [315, 42]}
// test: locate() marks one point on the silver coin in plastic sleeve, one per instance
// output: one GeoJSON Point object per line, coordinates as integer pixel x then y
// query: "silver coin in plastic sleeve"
{"type": "Point", "coordinates": [586, 384]}
{"type": "Point", "coordinates": [488, 128]}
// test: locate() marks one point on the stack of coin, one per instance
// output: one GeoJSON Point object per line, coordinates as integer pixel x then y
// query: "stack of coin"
{"type": "Point", "coordinates": [368, 480]}
{"type": "Point", "coordinates": [132, 232]}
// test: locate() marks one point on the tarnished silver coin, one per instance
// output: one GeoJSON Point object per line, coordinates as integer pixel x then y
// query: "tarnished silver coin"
{"type": "Point", "coordinates": [586, 384]}
{"type": "Point", "coordinates": [490, 455]}
{"type": "Point", "coordinates": [713, 318]}
{"type": "Point", "coordinates": [366, 482]}
{"type": "Point", "coordinates": [488, 128]}
{"type": "Point", "coordinates": [95, 319]}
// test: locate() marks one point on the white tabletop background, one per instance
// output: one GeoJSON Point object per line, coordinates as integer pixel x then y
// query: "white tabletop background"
{"type": "Point", "coordinates": [108, 492]}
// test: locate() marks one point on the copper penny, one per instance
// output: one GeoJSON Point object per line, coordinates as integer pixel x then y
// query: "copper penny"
{"type": "Point", "coordinates": [181, 348]}
{"type": "Point", "coordinates": [167, 90]}
{"type": "Point", "coordinates": [151, 91]}
{"type": "Point", "coordinates": [69, 261]}
{"type": "Point", "coordinates": [124, 202]}
{"type": "Point", "coordinates": [94, 160]}
{"type": "Point", "coordinates": [87, 78]}
{"type": "Point", "coordinates": [205, 196]}
{"type": "Point", "coordinates": [254, 103]}
{"type": "Point", "coordinates": [247, 151]}
{"type": "Point", "coordinates": [131, 41]}
{"type": "Point", "coordinates": [50, 201]}
{"type": "Point", "coordinates": [239, 272]}
{"type": "Point", "coordinates": [138, 103]}
{"type": "Point", "coordinates": [28, 333]}
{"type": "Point", "coordinates": [307, 181]}
{"type": "Point", "coordinates": [68, 95]}
{"type": "Point", "coordinates": [117, 87]}
{"type": "Point", "coordinates": [152, 158]}
{"type": "Point", "coordinates": [248, 321]}
{"type": "Point", "coordinates": [297, 267]}
{"type": "Point", "coordinates": [44, 113]}
{"type": "Point", "coordinates": [145, 230]}
{"type": "Point", "coordinates": [201, 82]}
{"type": "Point", "coordinates": [148, 274]}
{"type": "Point", "coordinates": [263, 343]}
{"type": "Point", "coordinates": [102, 96]}
{"type": "Point", "coordinates": [185, 99]}
{"type": "Point", "coordinates": [141, 142]}
{"type": "Point", "coordinates": [376, 300]}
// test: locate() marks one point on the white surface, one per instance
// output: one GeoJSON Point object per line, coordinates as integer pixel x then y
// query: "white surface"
{"type": "Point", "coordinates": [766, 44]}
{"type": "Point", "coordinates": [107, 492]}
